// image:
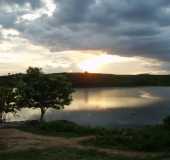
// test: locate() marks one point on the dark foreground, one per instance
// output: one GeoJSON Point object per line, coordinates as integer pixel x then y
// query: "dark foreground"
{"type": "Point", "coordinates": [65, 140]}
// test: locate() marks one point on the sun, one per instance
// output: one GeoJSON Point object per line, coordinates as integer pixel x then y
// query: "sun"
{"type": "Point", "coordinates": [88, 66]}
{"type": "Point", "coordinates": [95, 64]}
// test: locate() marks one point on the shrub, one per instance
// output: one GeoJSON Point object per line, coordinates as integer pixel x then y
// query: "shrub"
{"type": "Point", "coordinates": [166, 121]}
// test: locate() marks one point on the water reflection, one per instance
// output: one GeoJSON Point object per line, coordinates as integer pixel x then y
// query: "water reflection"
{"type": "Point", "coordinates": [111, 107]}
{"type": "Point", "coordinates": [97, 99]}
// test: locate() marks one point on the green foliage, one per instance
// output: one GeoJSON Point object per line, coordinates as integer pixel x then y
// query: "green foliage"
{"type": "Point", "coordinates": [156, 138]}
{"type": "Point", "coordinates": [63, 128]}
{"type": "Point", "coordinates": [7, 102]}
{"type": "Point", "coordinates": [34, 71]}
{"type": "Point", "coordinates": [67, 154]}
{"type": "Point", "coordinates": [36, 90]}
{"type": "Point", "coordinates": [150, 138]}
{"type": "Point", "coordinates": [166, 121]}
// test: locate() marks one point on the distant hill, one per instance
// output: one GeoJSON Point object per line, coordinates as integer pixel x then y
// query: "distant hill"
{"type": "Point", "coordinates": [80, 80]}
{"type": "Point", "coordinates": [111, 80]}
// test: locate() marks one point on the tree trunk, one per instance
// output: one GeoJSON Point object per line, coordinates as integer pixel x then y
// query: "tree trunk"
{"type": "Point", "coordinates": [42, 114]}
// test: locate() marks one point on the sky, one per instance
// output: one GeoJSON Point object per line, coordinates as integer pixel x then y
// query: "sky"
{"type": "Point", "coordinates": [103, 36]}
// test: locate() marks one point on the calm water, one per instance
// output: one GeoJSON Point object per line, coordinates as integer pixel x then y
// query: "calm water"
{"type": "Point", "coordinates": [113, 107]}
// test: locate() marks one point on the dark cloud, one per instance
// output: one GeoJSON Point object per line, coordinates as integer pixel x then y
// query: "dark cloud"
{"type": "Point", "coordinates": [125, 27]}
{"type": "Point", "coordinates": [72, 11]}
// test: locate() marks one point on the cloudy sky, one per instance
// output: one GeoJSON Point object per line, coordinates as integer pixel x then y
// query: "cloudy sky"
{"type": "Point", "coordinates": [107, 36]}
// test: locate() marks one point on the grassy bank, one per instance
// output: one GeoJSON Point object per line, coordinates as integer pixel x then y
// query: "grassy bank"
{"type": "Point", "coordinates": [66, 140]}
{"type": "Point", "coordinates": [148, 139]}
{"type": "Point", "coordinates": [66, 154]}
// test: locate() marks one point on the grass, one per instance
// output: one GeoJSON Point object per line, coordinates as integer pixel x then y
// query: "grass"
{"type": "Point", "coordinates": [61, 128]}
{"type": "Point", "coordinates": [155, 139]}
{"type": "Point", "coordinates": [148, 139]}
{"type": "Point", "coordinates": [66, 154]}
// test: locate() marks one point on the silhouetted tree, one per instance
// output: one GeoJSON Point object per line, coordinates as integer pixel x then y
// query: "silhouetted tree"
{"type": "Point", "coordinates": [37, 90]}
{"type": "Point", "coordinates": [7, 102]}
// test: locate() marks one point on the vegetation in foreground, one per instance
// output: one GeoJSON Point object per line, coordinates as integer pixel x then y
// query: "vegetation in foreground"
{"type": "Point", "coordinates": [147, 143]}
{"type": "Point", "coordinates": [35, 90]}
{"type": "Point", "coordinates": [67, 154]}
{"type": "Point", "coordinates": [148, 139]}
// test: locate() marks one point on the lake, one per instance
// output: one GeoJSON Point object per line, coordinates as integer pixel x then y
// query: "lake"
{"type": "Point", "coordinates": [110, 107]}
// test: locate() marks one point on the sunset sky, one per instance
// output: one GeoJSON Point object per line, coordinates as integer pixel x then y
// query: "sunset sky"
{"type": "Point", "coordinates": [103, 36]}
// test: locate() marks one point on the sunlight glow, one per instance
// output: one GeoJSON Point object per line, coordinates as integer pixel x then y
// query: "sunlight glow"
{"type": "Point", "coordinates": [94, 64]}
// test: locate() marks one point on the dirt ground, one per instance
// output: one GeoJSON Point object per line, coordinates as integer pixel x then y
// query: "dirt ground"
{"type": "Point", "coordinates": [16, 140]}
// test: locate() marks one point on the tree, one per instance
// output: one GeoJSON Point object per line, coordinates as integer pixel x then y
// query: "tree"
{"type": "Point", "coordinates": [7, 102]}
{"type": "Point", "coordinates": [37, 90]}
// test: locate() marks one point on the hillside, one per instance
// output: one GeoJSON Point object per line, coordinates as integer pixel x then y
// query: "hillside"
{"type": "Point", "coordinates": [110, 80]}
{"type": "Point", "coordinates": [100, 80]}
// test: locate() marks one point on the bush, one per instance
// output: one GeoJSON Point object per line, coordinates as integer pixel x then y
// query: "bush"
{"type": "Point", "coordinates": [166, 121]}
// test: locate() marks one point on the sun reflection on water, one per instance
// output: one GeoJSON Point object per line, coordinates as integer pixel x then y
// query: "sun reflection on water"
{"type": "Point", "coordinates": [106, 99]}
{"type": "Point", "coordinates": [100, 99]}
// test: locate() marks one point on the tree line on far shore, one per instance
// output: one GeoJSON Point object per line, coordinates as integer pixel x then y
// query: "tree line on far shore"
{"type": "Point", "coordinates": [35, 90]}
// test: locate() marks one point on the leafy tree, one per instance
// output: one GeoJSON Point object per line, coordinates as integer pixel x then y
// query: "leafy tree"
{"type": "Point", "coordinates": [7, 102]}
{"type": "Point", "coordinates": [37, 90]}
